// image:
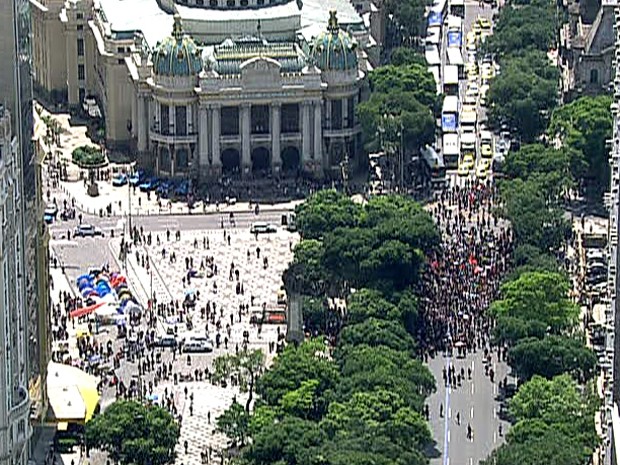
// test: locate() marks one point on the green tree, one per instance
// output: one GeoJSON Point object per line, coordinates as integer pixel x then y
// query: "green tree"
{"type": "Point", "coordinates": [537, 296]}
{"type": "Point", "coordinates": [550, 168]}
{"type": "Point", "coordinates": [245, 366]}
{"type": "Point", "coordinates": [550, 448]}
{"type": "Point", "coordinates": [519, 28]}
{"type": "Point", "coordinates": [306, 273]}
{"type": "Point", "coordinates": [402, 56]}
{"type": "Point", "coordinates": [369, 369]}
{"type": "Point", "coordinates": [534, 219]}
{"type": "Point", "coordinates": [415, 79]}
{"type": "Point", "coordinates": [132, 433]}
{"type": "Point", "coordinates": [374, 332]}
{"type": "Point", "coordinates": [385, 115]}
{"type": "Point", "coordinates": [552, 356]}
{"type": "Point", "coordinates": [234, 423]}
{"type": "Point", "coordinates": [561, 404]}
{"type": "Point", "coordinates": [325, 211]}
{"type": "Point", "coordinates": [584, 125]}
{"type": "Point", "coordinates": [294, 366]}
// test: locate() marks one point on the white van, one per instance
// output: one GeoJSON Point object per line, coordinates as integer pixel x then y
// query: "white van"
{"type": "Point", "coordinates": [198, 344]}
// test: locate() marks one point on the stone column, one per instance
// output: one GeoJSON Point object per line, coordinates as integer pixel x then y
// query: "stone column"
{"type": "Point", "coordinates": [276, 160]}
{"type": "Point", "coordinates": [215, 138]}
{"type": "Point", "coordinates": [246, 155]}
{"type": "Point", "coordinates": [203, 138]}
{"type": "Point", "coordinates": [306, 151]}
{"type": "Point", "coordinates": [143, 119]}
{"type": "Point", "coordinates": [318, 135]}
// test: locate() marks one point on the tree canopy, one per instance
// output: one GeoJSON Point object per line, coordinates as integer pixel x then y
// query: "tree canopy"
{"type": "Point", "coordinates": [134, 434]}
{"type": "Point", "coordinates": [584, 126]}
{"type": "Point", "coordinates": [533, 302]}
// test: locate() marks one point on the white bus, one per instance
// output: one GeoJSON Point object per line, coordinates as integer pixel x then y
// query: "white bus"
{"type": "Point", "coordinates": [455, 23]}
{"type": "Point", "coordinates": [449, 113]}
{"type": "Point", "coordinates": [450, 80]}
{"type": "Point", "coordinates": [451, 149]}
{"type": "Point", "coordinates": [457, 8]}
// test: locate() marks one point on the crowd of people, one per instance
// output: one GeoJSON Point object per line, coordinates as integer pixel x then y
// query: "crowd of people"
{"type": "Point", "coordinates": [463, 279]}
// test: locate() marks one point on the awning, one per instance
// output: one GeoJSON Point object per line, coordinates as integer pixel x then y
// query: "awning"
{"type": "Point", "coordinates": [72, 393]}
{"type": "Point", "coordinates": [85, 310]}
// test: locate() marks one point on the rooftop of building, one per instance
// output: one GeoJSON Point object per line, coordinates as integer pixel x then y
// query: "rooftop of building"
{"type": "Point", "coordinates": [227, 58]}
{"type": "Point", "coordinates": [126, 18]}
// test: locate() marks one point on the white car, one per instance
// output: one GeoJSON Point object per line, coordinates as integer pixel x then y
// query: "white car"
{"type": "Point", "coordinates": [85, 230]}
{"type": "Point", "coordinates": [472, 89]}
{"type": "Point", "coordinates": [261, 228]}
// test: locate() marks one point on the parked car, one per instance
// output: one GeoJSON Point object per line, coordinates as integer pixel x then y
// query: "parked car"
{"type": "Point", "coordinates": [51, 209]}
{"type": "Point", "coordinates": [85, 230]}
{"type": "Point", "coordinates": [119, 180]}
{"type": "Point", "coordinates": [262, 227]}
{"type": "Point", "coordinates": [149, 184]}
{"type": "Point", "coordinates": [166, 341]}
{"type": "Point", "coordinates": [198, 344]}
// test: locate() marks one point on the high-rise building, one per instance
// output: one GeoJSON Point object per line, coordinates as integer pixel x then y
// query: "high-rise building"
{"type": "Point", "coordinates": [31, 250]}
{"type": "Point", "coordinates": [14, 374]}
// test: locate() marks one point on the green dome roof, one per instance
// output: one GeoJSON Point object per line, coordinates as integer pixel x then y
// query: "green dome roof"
{"type": "Point", "coordinates": [334, 49]}
{"type": "Point", "coordinates": [177, 55]}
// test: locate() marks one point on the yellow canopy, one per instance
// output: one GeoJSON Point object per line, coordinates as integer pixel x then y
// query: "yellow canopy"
{"type": "Point", "coordinates": [72, 393]}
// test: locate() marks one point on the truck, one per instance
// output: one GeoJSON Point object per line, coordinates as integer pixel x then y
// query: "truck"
{"type": "Point", "coordinates": [451, 150]}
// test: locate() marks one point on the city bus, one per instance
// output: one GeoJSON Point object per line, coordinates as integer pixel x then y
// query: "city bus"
{"type": "Point", "coordinates": [449, 113]}
{"type": "Point", "coordinates": [451, 150]}
{"type": "Point", "coordinates": [433, 168]}
{"type": "Point", "coordinates": [450, 80]}
{"type": "Point", "coordinates": [457, 8]}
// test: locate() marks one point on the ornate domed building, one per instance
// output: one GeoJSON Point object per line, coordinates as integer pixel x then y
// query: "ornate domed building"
{"type": "Point", "coordinates": [246, 87]}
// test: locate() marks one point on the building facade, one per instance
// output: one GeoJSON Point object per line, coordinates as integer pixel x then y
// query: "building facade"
{"type": "Point", "coordinates": [239, 87]}
{"type": "Point", "coordinates": [15, 427]}
{"type": "Point", "coordinates": [16, 94]}
{"type": "Point", "coordinates": [587, 48]}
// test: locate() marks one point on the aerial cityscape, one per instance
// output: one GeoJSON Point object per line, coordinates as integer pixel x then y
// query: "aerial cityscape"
{"type": "Point", "coordinates": [309, 232]}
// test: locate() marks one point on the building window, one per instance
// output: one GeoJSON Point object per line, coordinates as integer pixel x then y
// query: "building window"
{"type": "Point", "coordinates": [165, 118]}
{"type": "Point", "coordinates": [336, 114]}
{"type": "Point", "coordinates": [594, 76]}
{"type": "Point", "coordinates": [230, 3]}
{"type": "Point", "coordinates": [80, 47]}
{"type": "Point", "coordinates": [260, 2]}
{"type": "Point", "coordinates": [230, 121]}
{"type": "Point", "coordinates": [213, 3]}
{"type": "Point", "coordinates": [81, 94]}
{"type": "Point", "coordinates": [80, 27]}
{"type": "Point", "coordinates": [180, 120]}
{"type": "Point", "coordinates": [80, 16]}
{"type": "Point", "coordinates": [81, 73]}
{"type": "Point", "coordinates": [259, 119]}
{"type": "Point", "coordinates": [289, 116]}
{"type": "Point", "coordinates": [350, 112]}
{"type": "Point", "coordinates": [243, 2]}
{"type": "Point", "coordinates": [200, 2]}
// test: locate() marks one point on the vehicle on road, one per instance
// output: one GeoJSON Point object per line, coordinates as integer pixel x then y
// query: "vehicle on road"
{"type": "Point", "coordinates": [87, 230]}
{"type": "Point", "coordinates": [262, 228]}
{"type": "Point", "coordinates": [149, 184]}
{"type": "Point", "coordinates": [49, 215]}
{"type": "Point", "coordinates": [486, 144]}
{"type": "Point", "coordinates": [166, 341]}
{"type": "Point", "coordinates": [482, 170]}
{"type": "Point", "coordinates": [468, 162]}
{"type": "Point", "coordinates": [119, 180]}
{"type": "Point", "coordinates": [483, 23]}
{"type": "Point", "coordinates": [67, 214]}
{"type": "Point", "coordinates": [198, 345]}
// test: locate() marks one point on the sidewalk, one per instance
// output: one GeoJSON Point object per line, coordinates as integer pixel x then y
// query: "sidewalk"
{"type": "Point", "coordinates": [118, 197]}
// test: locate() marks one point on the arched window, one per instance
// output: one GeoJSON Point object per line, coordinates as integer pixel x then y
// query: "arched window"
{"type": "Point", "coordinates": [594, 76]}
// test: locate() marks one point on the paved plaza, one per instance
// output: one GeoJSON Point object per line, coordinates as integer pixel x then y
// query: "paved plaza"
{"type": "Point", "coordinates": [164, 280]}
